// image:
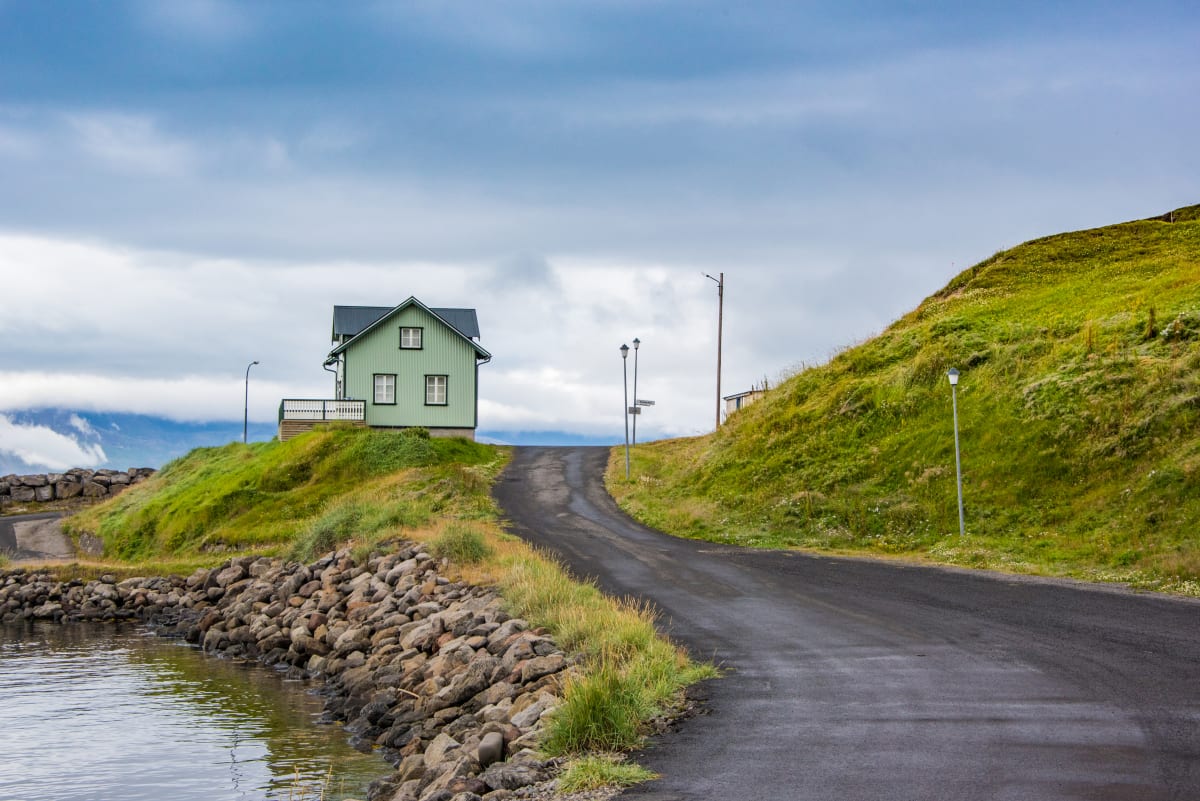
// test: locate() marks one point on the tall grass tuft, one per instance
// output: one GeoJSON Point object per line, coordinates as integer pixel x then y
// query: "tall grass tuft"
{"type": "Point", "coordinates": [602, 770]}
{"type": "Point", "coordinates": [600, 711]}
{"type": "Point", "coordinates": [462, 544]}
{"type": "Point", "coordinates": [338, 524]}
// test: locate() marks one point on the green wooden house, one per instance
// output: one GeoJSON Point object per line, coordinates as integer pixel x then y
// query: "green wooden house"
{"type": "Point", "coordinates": [399, 367]}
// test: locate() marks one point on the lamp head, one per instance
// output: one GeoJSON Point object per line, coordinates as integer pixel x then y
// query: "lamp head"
{"type": "Point", "coordinates": [952, 374]}
{"type": "Point", "coordinates": [624, 351]}
{"type": "Point", "coordinates": [636, 342]}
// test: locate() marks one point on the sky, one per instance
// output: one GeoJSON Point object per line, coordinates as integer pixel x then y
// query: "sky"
{"type": "Point", "coordinates": [189, 186]}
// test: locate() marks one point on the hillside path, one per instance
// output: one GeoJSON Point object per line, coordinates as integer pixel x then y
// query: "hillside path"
{"type": "Point", "coordinates": [864, 679]}
{"type": "Point", "coordinates": [36, 537]}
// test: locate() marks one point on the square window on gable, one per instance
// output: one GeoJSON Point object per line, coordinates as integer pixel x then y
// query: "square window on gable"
{"type": "Point", "coordinates": [410, 338]}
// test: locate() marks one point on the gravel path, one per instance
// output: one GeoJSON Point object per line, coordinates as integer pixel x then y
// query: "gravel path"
{"type": "Point", "coordinates": [34, 538]}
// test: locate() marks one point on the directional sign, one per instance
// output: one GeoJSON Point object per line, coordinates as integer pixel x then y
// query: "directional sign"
{"type": "Point", "coordinates": [634, 410]}
{"type": "Point", "coordinates": [644, 402]}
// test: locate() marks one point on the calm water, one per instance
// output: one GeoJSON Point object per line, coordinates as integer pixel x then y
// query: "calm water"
{"type": "Point", "coordinates": [92, 713]}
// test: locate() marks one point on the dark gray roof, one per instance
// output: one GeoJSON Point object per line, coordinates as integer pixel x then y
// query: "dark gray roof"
{"type": "Point", "coordinates": [350, 321]}
{"type": "Point", "coordinates": [463, 319]}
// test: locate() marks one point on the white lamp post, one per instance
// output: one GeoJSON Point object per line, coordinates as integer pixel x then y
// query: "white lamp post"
{"type": "Point", "coordinates": [953, 376]}
{"type": "Point", "coordinates": [246, 409]}
{"type": "Point", "coordinates": [625, 369]}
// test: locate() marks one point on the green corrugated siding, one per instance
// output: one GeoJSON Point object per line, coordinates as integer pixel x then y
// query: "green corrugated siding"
{"type": "Point", "coordinates": [444, 353]}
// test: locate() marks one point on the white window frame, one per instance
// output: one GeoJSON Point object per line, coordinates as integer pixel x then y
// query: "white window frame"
{"type": "Point", "coordinates": [385, 389]}
{"type": "Point", "coordinates": [434, 383]}
{"type": "Point", "coordinates": [412, 338]}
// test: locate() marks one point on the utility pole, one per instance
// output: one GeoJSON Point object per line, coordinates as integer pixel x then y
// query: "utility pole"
{"type": "Point", "coordinates": [720, 321]}
{"type": "Point", "coordinates": [637, 409]}
{"type": "Point", "coordinates": [246, 406]}
{"type": "Point", "coordinates": [625, 370]}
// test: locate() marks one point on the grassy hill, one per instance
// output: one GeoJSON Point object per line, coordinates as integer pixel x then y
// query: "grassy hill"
{"type": "Point", "coordinates": [1078, 409]}
{"type": "Point", "coordinates": [298, 497]}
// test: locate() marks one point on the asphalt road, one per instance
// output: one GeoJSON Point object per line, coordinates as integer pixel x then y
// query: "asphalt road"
{"type": "Point", "coordinates": [860, 679]}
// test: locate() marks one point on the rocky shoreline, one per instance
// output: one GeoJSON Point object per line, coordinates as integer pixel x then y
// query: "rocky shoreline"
{"type": "Point", "coordinates": [432, 671]}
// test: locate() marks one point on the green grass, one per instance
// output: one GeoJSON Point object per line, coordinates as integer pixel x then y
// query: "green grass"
{"type": "Point", "coordinates": [461, 543]}
{"type": "Point", "coordinates": [631, 674]}
{"type": "Point", "coordinates": [299, 497]}
{"type": "Point", "coordinates": [1078, 410]}
{"type": "Point", "coordinates": [602, 770]}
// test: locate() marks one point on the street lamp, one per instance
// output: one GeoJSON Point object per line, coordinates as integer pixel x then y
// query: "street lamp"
{"type": "Point", "coordinates": [625, 368]}
{"type": "Point", "coordinates": [246, 410]}
{"type": "Point", "coordinates": [953, 376]}
{"type": "Point", "coordinates": [637, 410]}
{"type": "Point", "coordinates": [720, 282]}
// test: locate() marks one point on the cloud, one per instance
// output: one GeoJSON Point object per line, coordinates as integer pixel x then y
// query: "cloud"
{"type": "Point", "coordinates": [81, 425]}
{"type": "Point", "coordinates": [132, 142]}
{"type": "Point", "coordinates": [186, 399]}
{"type": "Point", "coordinates": [211, 21]}
{"type": "Point", "coordinates": [44, 448]}
{"type": "Point", "coordinates": [523, 273]}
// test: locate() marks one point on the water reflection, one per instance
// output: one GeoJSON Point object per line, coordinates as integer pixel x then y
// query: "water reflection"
{"type": "Point", "coordinates": [93, 713]}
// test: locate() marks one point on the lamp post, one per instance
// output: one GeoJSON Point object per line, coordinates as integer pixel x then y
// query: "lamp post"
{"type": "Point", "coordinates": [953, 376]}
{"type": "Point", "coordinates": [246, 409]}
{"type": "Point", "coordinates": [625, 369]}
{"type": "Point", "coordinates": [636, 344]}
{"type": "Point", "coordinates": [720, 282]}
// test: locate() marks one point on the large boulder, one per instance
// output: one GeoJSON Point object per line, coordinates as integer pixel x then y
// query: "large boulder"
{"type": "Point", "coordinates": [67, 489]}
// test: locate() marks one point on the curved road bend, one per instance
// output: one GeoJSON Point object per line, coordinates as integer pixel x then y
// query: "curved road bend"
{"type": "Point", "coordinates": [858, 680]}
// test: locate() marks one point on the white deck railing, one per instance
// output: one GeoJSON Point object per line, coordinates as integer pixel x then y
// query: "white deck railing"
{"type": "Point", "coordinates": [296, 409]}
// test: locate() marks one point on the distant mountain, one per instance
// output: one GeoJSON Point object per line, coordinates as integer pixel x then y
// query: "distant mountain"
{"type": "Point", "coordinates": [32, 440]}
{"type": "Point", "coordinates": [28, 441]}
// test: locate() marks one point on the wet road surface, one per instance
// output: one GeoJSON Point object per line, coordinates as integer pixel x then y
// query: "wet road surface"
{"type": "Point", "coordinates": [860, 679]}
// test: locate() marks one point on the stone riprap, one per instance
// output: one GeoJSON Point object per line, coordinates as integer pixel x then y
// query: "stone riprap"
{"type": "Point", "coordinates": [432, 671]}
{"type": "Point", "coordinates": [77, 482]}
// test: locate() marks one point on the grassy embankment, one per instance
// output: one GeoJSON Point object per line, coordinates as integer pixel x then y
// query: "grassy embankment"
{"type": "Point", "coordinates": [1078, 408]}
{"type": "Point", "coordinates": [349, 487]}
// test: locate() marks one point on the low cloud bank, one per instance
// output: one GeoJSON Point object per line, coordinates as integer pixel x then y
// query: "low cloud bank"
{"type": "Point", "coordinates": [44, 448]}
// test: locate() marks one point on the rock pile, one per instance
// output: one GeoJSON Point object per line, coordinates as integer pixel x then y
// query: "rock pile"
{"type": "Point", "coordinates": [74, 483]}
{"type": "Point", "coordinates": [432, 671]}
